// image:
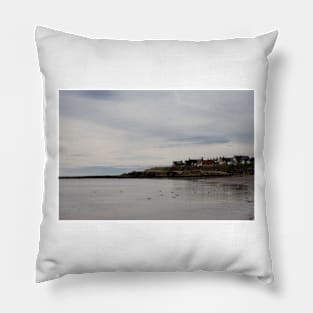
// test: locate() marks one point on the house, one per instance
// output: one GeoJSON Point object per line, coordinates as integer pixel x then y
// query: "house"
{"type": "Point", "coordinates": [178, 163]}
{"type": "Point", "coordinates": [200, 162]}
{"type": "Point", "coordinates": [221, 161]}
{"type": "Point", "coordinates": [234, 160]}
{"type": "Point", "coordinates": [226, 160]}
{"type": "Point", "coordinates": [208, 162]}
{"type": "Point", "coordinates": [230, 161]}
{"type": "Point", "coordinates": [194, 162]}
{"type": "Point", "coordinates": [241, 159]}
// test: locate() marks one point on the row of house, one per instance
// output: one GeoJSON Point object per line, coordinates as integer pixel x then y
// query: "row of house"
{"type": "Point", "coordinates": [236, 159]}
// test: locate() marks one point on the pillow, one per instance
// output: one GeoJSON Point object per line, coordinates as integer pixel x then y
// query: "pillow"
{"type": "Point", "coordinates": [154, 155]}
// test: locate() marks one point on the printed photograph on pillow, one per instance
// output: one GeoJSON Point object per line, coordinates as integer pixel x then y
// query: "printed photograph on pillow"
{"type": "Point", "coordinates": [156, 155]}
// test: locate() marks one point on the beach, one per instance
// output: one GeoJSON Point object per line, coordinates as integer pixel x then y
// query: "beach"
{"type": "Point", "coordinates": [214, 198]}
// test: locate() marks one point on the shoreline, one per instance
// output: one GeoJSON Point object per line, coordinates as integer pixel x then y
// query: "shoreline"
{"type": "Point", "coordinates": [204, 171]}
{"type": "Point", "coordinates": [155, 177]}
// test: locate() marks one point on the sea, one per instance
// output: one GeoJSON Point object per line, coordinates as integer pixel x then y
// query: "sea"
{"type": "Point", "coordinates": [221, 198]}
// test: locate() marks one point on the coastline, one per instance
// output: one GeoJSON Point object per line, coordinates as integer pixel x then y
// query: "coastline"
{"type": "Point", "coordinates": [156, 177]}
{"type": "Point", "coordinates": [178, 172]}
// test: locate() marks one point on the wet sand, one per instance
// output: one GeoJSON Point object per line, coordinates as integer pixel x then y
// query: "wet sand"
{"type": "Point", "coordinates": [218, 198]}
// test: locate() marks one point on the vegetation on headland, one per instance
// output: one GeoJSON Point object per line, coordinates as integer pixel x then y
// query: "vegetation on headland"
{"type": "Point", "coordinates": [219, 167]}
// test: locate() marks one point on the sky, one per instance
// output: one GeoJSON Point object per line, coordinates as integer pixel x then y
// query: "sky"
{"type": "Point", "coordinates": [112, 132]}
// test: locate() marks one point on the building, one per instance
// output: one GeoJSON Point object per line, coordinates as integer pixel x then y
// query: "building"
{"type": "Point", "coordinates": [226, 160]}
{"type": "Point", "coordinates": [194, 162]}
{"type": "Point", "coordinates": [208, 162]}
{"type": "Point", "coordinates": [178, 163]}
{"type": "Point", "coordinates": [235, 160]}
{"type": "Point", "coordinates": [242, 159]}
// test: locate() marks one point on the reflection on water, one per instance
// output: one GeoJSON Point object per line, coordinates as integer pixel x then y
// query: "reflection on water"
{"type": "Point", "coordinates": [224, 198]}
{"type": "Point", "coordinates": [215, 190]}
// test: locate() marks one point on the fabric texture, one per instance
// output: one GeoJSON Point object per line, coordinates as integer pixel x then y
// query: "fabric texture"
{"type": "Point", "coordinates": [69, 62]}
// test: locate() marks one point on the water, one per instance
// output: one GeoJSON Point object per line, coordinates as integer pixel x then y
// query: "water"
{"type": "Point", "coordinates": [223, 198]}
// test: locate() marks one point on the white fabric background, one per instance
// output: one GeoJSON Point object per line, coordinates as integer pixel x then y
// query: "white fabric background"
{"type": "Point", "coordinates": [288, 147]}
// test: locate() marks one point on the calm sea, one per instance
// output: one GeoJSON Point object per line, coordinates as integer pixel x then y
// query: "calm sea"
{"type": "Point", "coordinates": [224, 198]}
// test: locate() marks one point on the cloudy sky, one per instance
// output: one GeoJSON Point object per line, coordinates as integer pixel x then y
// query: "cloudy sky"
{"type": "Point", "coordinates": [110, 132]}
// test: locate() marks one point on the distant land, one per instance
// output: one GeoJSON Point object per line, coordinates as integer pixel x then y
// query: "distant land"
{"type": "Point", "coordinates": [191, 168]}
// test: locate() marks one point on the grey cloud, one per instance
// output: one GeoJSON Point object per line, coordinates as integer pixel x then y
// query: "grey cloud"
{"type": "Point", "coordinates": [123, 126]}
{"type": "Point", "coordinates": [197, 140]}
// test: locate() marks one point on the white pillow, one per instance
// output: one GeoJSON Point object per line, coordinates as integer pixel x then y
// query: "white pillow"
{"type": "Point", "coordinates": [116, 106]}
